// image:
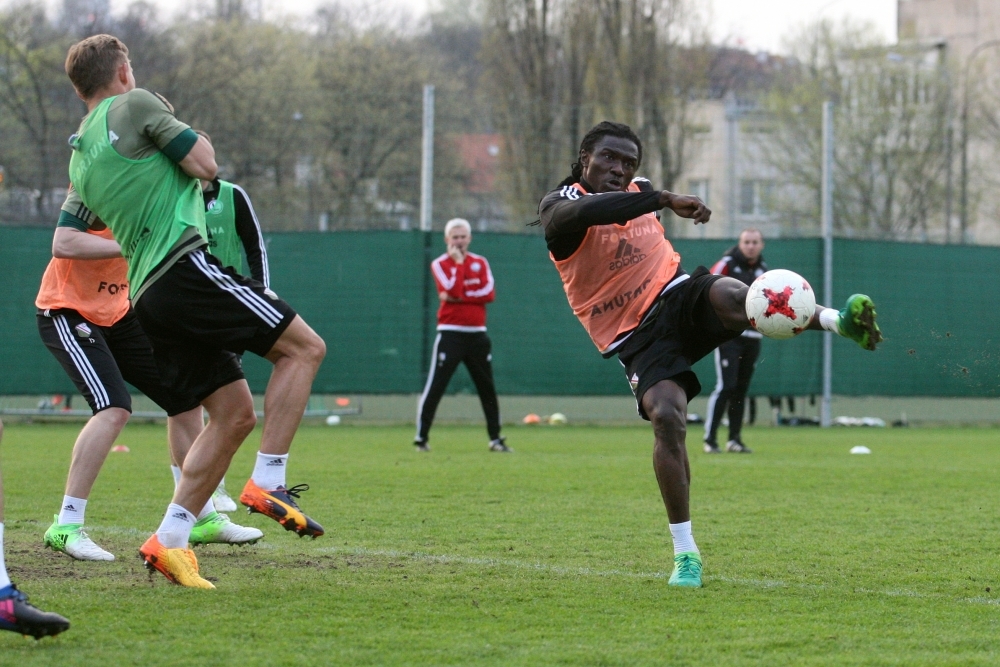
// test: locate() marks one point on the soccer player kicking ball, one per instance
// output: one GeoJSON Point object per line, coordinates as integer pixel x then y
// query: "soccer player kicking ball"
{"type": "Point", "coordinates": [85, 320]}
{"type": "Point", "coordinates": [16, 613]}
{"type": "Point", "coordinates": [625, 284]}
{"type": "Point", "coordinates": [138, 168]}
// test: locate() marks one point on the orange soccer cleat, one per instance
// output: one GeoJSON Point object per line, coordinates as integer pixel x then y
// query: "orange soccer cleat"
{"type": "Point", "coordinates": [280, 506]}
{"type": "Point", "coordinates": [178, 565]}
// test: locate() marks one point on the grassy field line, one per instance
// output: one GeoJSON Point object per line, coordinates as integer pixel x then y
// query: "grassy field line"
{"type": "Point", "coordinates": [590, 572]}
{"type": "Point", "coordinates": [514, 564]}
{"type": "Point", "coordinates": [492, 562]}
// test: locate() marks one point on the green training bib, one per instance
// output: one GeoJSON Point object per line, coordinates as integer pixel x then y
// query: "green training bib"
{"type": "Point", "coordinates": [220, 219]}
{"type": "Point", "coordinates": [149, 204]}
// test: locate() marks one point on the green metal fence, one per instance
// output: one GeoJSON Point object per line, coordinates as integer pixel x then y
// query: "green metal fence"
{"type": "Point", "coordinates": [364, 292]}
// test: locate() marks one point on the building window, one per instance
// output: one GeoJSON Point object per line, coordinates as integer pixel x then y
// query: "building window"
{"type": "Point", "coordinates": [699, 188]}
{"type": "Point", "coordinates": [756, 197]}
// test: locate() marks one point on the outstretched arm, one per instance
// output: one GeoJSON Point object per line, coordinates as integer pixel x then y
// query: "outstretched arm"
{"type": "Point", "coordinates": [568, 211]}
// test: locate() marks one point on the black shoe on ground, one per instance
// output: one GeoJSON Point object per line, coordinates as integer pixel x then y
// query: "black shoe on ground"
{"type": "Point", "coordinates": [421, 445]}
{"type": "Point", "coordinates": [712, 447]}
{"type": "Point", "coordinates": [19, 615]}
{"type": "Point", "coordinates": [499, 445]}
{"type": "Point", "coordinates": [738, 447]}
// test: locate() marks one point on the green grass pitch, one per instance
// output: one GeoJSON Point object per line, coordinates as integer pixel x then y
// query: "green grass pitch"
{"type": "Point", "coordinates": [556, 555]}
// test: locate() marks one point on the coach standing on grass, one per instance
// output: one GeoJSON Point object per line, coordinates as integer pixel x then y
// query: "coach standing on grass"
{"type": "Point", "coordinates": [465, 285]}
{"type": "Point", "coordinates": [197, 314]}
{"type": "Point", "coordinates": [736, 359]}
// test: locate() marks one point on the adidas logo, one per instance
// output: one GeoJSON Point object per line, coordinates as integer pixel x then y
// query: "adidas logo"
{"type": "Point", "coordinates": [626, 255]}
{"type": "Point", "coordinates": [69, 508]}
{"type": "Point", "coordinates": [183, 516]}
{"type": "Point", "coordinates": [276, 462]}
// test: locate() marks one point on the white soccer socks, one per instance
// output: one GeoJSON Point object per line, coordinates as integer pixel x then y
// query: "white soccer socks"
{"type": "Point", "coordinates": [175, 529]}
{"type": "Point", "coordinates": [269, 471]}
{"type": "Point", "coordinates": [829, 319]}
{"type": "Point", "coordinates": [683, 540]}
{"type": "Point", "coordinates": [209, 506]}
{"type": "Point", "coordinates": [72, 510]}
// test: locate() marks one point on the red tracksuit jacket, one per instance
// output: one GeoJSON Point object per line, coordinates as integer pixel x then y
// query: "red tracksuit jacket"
{"type": "Point", "coordinates": [470, 281]}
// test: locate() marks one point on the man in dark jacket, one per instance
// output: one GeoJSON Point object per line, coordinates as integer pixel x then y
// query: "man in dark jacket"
{"type": "Point", "coordinates": [735, 359]}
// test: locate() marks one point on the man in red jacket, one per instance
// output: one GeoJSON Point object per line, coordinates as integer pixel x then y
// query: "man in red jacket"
{"type": "Point", "coordinates": [465, 286]}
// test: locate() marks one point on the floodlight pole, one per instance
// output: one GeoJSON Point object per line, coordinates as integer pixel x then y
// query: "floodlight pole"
{"type": "Point", "coordinates": [827, 224]}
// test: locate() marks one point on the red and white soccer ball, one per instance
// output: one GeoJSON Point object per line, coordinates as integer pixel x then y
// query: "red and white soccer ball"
{"type": "Point", "coordinates": [780, 304]}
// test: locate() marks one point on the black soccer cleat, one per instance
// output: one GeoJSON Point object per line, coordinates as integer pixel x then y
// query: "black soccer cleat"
{"type": "Point", "coordinates": [19, 615]}
{"type": "Point", "coordinates": [500, 445]}
{"type": "Point", "coordinates": [737, 447]}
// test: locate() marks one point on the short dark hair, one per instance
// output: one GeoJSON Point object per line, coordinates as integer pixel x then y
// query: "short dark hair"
{"type": "Point", "coordinates": [605, 128]}
{"type": "Point", "coordinates": [91, 64]}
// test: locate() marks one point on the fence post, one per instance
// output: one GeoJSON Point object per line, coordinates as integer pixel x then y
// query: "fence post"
{"type": "Point", "coordinates": [827, 223]}
{"type": "Point", "coordinates": [426, 212]}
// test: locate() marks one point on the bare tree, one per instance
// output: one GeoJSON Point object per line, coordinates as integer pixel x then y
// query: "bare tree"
{"type": "Point", "coordinates": [39, 106]}
{"type": "Point", "coordinates": [369, 115]}
{"type": "Point", "coordinates": [558, 66]}
{"type": "Point", "coordinates": [891, 127]}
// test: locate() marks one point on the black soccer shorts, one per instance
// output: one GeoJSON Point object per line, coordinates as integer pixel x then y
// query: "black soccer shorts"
{"type": "Point", "coordinates": [200, 315]}
{"type": "Point", "coordinates": [684, 329]}
{"type": "Point", "coordinates": [100, 360]}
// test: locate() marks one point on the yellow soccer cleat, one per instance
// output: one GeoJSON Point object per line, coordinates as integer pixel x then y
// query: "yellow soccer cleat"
{"type": "Point", "coordinates": [178, 565]}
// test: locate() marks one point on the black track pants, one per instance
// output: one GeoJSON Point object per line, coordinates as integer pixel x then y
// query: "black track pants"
{"type": "Point", "coordinates": [450, 349]}
{"type": "Point", "coordinates": [734, 364]}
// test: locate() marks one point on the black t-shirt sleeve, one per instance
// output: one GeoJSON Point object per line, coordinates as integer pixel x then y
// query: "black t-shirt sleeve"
{"type": "Point", "coordinates": [567, 213]}
{"type": "Point", "coordinates": [248, 229]}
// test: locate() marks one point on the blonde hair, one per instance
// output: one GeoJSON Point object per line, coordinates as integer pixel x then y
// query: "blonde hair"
{"type": "Point", "coordinates": [457, 222]}
{"type": "Point", "coordinates": [91, 64]}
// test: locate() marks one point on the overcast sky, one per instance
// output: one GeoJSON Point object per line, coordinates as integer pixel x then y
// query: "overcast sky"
{"type": "Point", "coordinates": [753, 24]}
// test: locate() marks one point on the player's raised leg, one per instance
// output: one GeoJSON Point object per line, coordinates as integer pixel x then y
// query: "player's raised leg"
{"type": "Point", "coordinates": [856, 321]}
{"type": "Point", "coordinates": [666, 405]}
{"type": "Point", "coordinates": [16, 613]}
{"type": "Point", "coordinates": [296, 355]}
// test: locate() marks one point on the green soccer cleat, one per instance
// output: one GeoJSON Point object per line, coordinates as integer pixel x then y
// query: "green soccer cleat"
{"type": "Point", "coordinates": [687, 570]}
{"type": "Point", "coordinates": [857, 322]}
{"type": "Point", "coordinates": [70, 539]}
{"type": "Point", "coordinates": [218, 529]}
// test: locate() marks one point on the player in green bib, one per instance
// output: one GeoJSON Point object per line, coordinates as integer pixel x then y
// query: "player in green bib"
{"type": "Point", "coordinates": [137, 168]}
{"type": "Point", "coordinates": [234, 231]}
